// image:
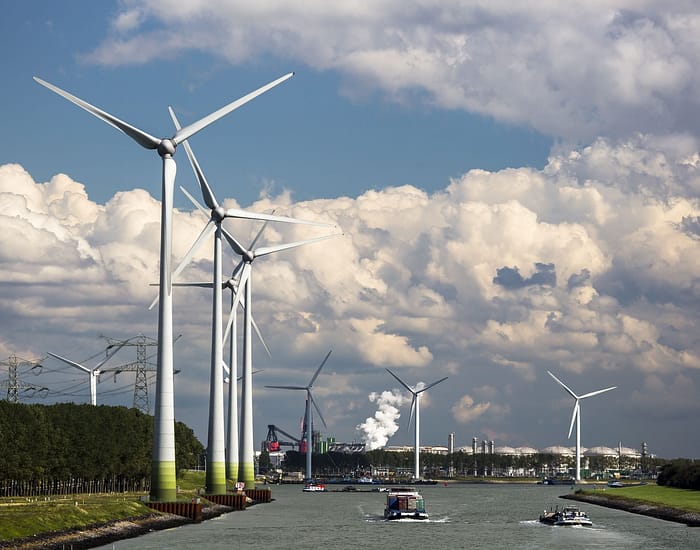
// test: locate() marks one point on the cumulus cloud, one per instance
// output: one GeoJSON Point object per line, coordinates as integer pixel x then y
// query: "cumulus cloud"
{"type": "Point", "coordinates": [587, 266]}
{"type": "Point", "coordinates": [466, 410]}
{"type": "Point", "coordinates": [607, 68]}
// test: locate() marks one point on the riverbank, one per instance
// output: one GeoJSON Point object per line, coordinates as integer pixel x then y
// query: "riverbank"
{"type": "Point", "coordinates": [99, 534]}
{"type": "Point", "coordinates": [635, 506]}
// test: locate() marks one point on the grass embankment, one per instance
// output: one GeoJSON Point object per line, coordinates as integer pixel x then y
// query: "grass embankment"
{"type": "Point", "coordinates": [24, 517]}
{"type": "Point", "coordinates": [27, 517]}
{"type": "Point", "coordinates": [669, 503]}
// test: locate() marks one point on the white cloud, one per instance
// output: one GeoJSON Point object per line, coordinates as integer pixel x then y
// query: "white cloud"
{"type": "Point", "coordinates": [466, 410]}
{"type": "Point", "coordinates": [587, 266]}
{"type": "Point", "coordinates": [606, 68]}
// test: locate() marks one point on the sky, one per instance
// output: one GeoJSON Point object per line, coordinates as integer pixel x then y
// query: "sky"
{"type": "Point", "coordinates": [517, 186]}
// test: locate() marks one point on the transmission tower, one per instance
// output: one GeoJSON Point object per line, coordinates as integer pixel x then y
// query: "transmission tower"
{"type": "Point", "coordinates": [15, 386]}
{"type": "Point", "coordinates": [141, 367]}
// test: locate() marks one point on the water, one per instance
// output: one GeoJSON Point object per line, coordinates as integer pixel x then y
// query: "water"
{"type": "Point", "coordinates": [461, 516]}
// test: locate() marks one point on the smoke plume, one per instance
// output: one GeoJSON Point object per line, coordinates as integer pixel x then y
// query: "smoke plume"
{"type": "Point", "coordinates": [378, 429]}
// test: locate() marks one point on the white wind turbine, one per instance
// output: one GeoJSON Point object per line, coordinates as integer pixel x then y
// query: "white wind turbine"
{"type": "Point", "coordinates": [163, 481]}
{"type": "Point", "coordinates": [308, 413]}
{"type": "Point", "coordinates": [94, 373]}
{"type": "Point", "coordinates": [576, 417]}
{"type": "Point", "coordinates": [247, 450]}
{"type": "Point", "coordinates": [231, 373]}
{"type": "Point", "coordinates": [216, 461]}
{"type": "Point", "coordinates": [415, 405]}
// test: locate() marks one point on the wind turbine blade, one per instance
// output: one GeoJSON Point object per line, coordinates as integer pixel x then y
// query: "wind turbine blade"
{"type": "Point", "coordinates": [598, 392]}
{"type": "Point", "coordinates": [259, 233]}
{"type": "Point", "coordinates": [574, 417]}
{"type": "Point", "coordinates": [195, 202]}
{"type": "Point", "coordinates": [236, 298]}
{"type": "Point", "coordinates": [206, 233]}
{"type": "Point", "coordinates": [319, 369]}
{"type": "Point", "coordinates": [571, 393]}
{"type": "Point", "coordinates": [264, 250]}
{"type": "Point", "coordinates": [72, 363]}
{"type": "Point", "coordinates": [139, 136]}
{"type": "Point", "coordinates": [413, 408]}
{"type": "Point", "coordinates": [402, 383]}
{"type": "Point", "coordinates": [200, 285]}
{"type": "Point", "coordinates": [257, 331]}
{"type": "Point", "coordinates": [229, 323]}
{"type": "Point", "coordinates": [241, 285]}
{"type": "Point", "coordinates": [237, 247]}
{"type": "Point", "coordinates": [313, 402]}
{"type": "Point", "coordinates": [244, 214]}
{"type": "Point", "coordinates": [207, 193]}
{"type": "Point", "coordinates": [288, 387]}
{"type": "Point", "coordinates": [431, 385]}
{"type": "Point", "coordinates": [209, 228]}
{"type": "Point", "coordinates": [188, 131]}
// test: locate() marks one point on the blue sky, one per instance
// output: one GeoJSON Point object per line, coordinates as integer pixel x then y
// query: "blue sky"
{"type": "Point", "coordinates": [517, 186]}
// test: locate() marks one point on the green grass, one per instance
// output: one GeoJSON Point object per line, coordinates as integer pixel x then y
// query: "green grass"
{"type": "Point", "coordinates": [24, 517]}
{"type": "Point", "coordinates": [21, 517]}
{"type": "Point", "coordinates": [682, 499]}
{"type": "Point", "coordinates": [191, 480]}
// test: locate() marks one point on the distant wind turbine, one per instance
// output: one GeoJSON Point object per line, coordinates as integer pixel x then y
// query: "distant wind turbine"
{"type": "Point", "coordinates": [163, 475]}
{"type": "Point", "coordinates": [415, 405]}
{"type": "Point", "coordinates": [308, 413]}
{"type": "Point", "coordinates": [576, 417]}
{"type": "Point", "coordinates": [94, 373]}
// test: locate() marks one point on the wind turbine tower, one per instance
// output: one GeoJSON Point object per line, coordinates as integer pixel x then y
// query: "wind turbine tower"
{"type": "Point", "coordinates": [576, 417]}
{"type": "Point", "coordinates": [163, 475]}
{"type": "Point", "coordinates": [308, 413]}
{"type": "Point", "coordinates": [415, 406]}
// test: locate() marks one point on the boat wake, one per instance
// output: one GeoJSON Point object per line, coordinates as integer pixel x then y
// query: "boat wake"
{"type": "Point", "coordinates": [373, 518]}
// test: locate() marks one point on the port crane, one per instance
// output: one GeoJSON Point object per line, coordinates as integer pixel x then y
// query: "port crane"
{"type": "Point", "coordinates": [273, 443]}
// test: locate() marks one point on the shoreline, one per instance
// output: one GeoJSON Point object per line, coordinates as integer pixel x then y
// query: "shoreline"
{"type": "Point", "coordinates": [99, 534]}
{"type": "Point", "coordinates": [667, 513]}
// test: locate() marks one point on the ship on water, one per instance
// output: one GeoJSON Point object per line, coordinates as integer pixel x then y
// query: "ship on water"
{"type": "Point", "coordinates": [404, 503]}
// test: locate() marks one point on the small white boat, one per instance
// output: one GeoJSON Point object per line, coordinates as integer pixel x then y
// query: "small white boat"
{"type": "Point", "coordinates": [403, 503]}
{"type": "Point", "coordinates": [567, 516]}
{"type": "Point", "coordinates": [313, 487]}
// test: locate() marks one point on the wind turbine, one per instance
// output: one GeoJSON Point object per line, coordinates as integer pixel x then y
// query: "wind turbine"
{"type": "Point", "coordinates": [216, 461]}
{"type": "Point", "coordinates": [308, 415]}
{"type": "Point", "coordinates": [415, 405]}
{"type": "Point", "coordinates": [94, 372]}
{"type": "Point", "coordinates": [232, 374]}
{"type": "Point", "coordinates": [576, 417]}
{"type": "Point", "coordinates": [163, 482]}
{"type": "Point", "coordinates": [247, 456]}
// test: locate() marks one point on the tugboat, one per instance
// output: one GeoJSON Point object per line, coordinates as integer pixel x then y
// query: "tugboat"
{"type": "Point", "coordinates": [568, 516]}
{"type": "Point", "coordinates": [404, 503]}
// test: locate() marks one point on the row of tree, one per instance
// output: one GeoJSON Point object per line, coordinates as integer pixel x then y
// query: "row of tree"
{"type": "Point", "coordinates": [68, 440]}
{"type": "Point", "coordinates": [683, 474]}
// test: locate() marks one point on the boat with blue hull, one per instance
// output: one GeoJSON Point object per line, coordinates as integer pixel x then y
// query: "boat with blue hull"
{"type": "Point", "coordinates": [404, 503]}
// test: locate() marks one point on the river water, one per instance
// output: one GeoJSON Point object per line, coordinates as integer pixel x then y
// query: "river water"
{"type": "Point", "coordinates": [491, 516]}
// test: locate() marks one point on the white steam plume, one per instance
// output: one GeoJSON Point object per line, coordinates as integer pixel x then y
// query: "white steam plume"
{"type": "Point", "coordinates": [378, 429]}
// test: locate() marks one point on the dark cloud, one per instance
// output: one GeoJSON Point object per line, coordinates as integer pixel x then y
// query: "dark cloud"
{"type": "Point", "coordinates": [510, 277]}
